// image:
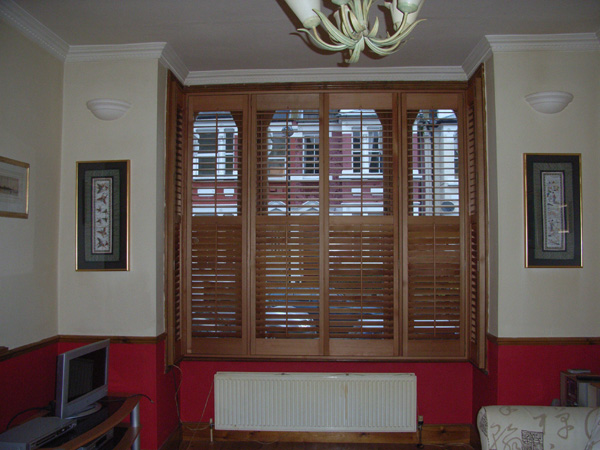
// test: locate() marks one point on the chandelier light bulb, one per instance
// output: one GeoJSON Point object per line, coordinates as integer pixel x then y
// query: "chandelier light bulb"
{"type": "Point", "coordinates": [305, 11]}
{"type": "Point", "coordinates": [408, 6]}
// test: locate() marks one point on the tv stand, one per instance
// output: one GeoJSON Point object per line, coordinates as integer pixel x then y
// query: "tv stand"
{"type": "Point", "coordinates": [94, 408]}
{"type": "Point", "coordinates": [106, 427]}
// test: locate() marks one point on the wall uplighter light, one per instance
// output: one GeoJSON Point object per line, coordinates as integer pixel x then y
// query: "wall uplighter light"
{"type": "Point", "coordinates": [108, 109]}
{"type": "Point", "coordinates": [549, 102]}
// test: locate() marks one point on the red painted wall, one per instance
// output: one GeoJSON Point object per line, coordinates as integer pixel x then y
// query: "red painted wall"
{"type": "Point", "coordinates": [444, 390]}
{"type": "Point", "coordinates": [485, 384]}
{"type": "Point", "coordinates": [29, 381]}
{"type": "Point", "coordinates": [139, 369]}
{"type": "Point", "coordinates": [530, 374]}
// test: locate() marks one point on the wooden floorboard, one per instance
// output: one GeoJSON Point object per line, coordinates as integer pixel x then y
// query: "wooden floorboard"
{"type": "Point", "coordinates": [253, 445]}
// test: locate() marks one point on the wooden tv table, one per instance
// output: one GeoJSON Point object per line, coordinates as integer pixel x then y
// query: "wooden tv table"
{"type": "Point", "coordinates": [106, 429]}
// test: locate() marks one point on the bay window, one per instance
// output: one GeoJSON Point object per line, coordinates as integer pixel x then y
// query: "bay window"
{"type": "Point", "coordinates": [327, 223]}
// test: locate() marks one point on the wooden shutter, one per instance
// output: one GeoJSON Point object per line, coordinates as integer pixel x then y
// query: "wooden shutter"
{"type": "Point", "coordinates": [434, 318]}
{"type": "Point", "coordinates": [218, 257]}
{"type": "Point", "coordinates": [476, 219]}
{"type": "Point", "coordinates": [325, 224]}
{"type": "Point", "coordinates": [174, 240]}
{"type": "Point", "coordinates": [287, 231]}
{"type": "Point", "coordinates": [362, 237]}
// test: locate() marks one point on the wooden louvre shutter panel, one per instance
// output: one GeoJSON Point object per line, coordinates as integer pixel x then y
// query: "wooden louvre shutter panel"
{"type": "Point", "coordinates": [287, 233]}
{"type": "Point", "coordinates": [178, 227]}
{"type": "Point", "coordinates": [174, 243]}
{"type": "Point", "coordinates": [217, 255]}
{"type": "Point", "coordinates": [362, 241]}
{"type": "Point", "coordinates": [433, 312]}
{"type": "Point", "coordinates": [476, 220]}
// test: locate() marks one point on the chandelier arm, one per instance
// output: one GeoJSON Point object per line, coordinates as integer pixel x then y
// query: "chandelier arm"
{"type": "Point", "coordinates": [393, 47]}
{"type": "Point", "coordinates": [366, 9]}
{"type": "Point", "coordinates": [398, 36]}
{"type": "Point", "coordinates": [357, 10]}
{"type": "Point", "coordinates": [382, 51]}
{"type": "Point", "coordinates": [356, 51]}
{"type": "Point", "coordinates": [357, 25]}
{"type": "Point", "coordinates": [347, 27]}
{"type": "Point", "coordinates": [375, 29]}
{"type": "Point", "coordinates": [334, 33]}
{"type": "Point", "coordinates": [316, 39]}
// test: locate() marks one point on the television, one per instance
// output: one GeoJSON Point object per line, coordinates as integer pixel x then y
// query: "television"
{"type": "Point", "coordinates": [81, 380]}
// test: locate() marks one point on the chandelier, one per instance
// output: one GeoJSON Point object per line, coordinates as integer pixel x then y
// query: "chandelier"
{"type": "Point", "coordinates": [351, 30]}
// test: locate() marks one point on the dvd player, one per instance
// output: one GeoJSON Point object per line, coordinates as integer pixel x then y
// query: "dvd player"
{"type": "Point", "coordinates": [35, 433]}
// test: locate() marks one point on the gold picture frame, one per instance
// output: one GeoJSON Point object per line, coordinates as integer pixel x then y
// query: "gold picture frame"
{"type": "Point", "coordinates": [14, 188]}
{"type": "Point", "coordinates": [553, 210]}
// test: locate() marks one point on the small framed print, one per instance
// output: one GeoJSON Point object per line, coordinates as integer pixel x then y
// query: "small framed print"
{"type": "Point", "coordinates": [103, 215]}
{"type": "Point", "coordinates": [14, 188]}
{"type": "Point", "coordinates": [553, 210]}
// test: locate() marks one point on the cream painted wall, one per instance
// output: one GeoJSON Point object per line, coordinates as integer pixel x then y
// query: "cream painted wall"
{"type": "Point", "coordinates": [30, 131]}
{"type": "Point", "coordinates": [130, 302]}
{"type": "Point", "coordinates": [544, 302]}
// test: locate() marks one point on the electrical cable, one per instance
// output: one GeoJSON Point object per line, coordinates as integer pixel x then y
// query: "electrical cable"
{"type": "Point", "coordinates": [195, 430]}
{"type": "Point", "coordinates": [177, 387]}
{"type": "Point", "coordinates": [35, 408]}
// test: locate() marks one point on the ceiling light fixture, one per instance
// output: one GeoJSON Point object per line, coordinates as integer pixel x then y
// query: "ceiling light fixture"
{"type": "Point", "coordinates": [351, 31]}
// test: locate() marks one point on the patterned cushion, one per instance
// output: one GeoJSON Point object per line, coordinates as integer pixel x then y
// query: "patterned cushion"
{"type": "Point", "coordinates": [594, 441]}
{"type": "Point", "coordinates": [538, 428]}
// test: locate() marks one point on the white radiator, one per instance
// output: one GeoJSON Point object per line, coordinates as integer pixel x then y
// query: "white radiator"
{"type": "Point", "coordinates": [315, 402]}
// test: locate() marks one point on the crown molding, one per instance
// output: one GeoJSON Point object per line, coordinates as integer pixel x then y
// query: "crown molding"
{"type": "Point", "coordinates": [161, 51]}
{"type": "Point", "coordinates": [87, 53]}
{"type": "Point", "coordinates": [171, 60]}
{"type": "Point", "coordinates": [442, 73]}
{"type": "Point", "coordinates": [480, 53]}
{"type": "Point", "coordinates": [33, 29]}
{"type": "Point", "coordinates": [577, 42]}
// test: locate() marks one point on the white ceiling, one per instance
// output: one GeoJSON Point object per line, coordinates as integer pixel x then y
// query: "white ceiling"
{"type": "Point", "coordinates": [209, 35]}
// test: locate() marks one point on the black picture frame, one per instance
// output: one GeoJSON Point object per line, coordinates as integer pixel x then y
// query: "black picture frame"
{"type": "Point", "coordinates": [553, 210]}
{"type": "Point", "coordinates": [102, 215]}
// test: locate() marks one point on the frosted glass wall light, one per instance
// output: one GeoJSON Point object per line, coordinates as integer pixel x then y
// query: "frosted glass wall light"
{"type": "Point", "coordinates": [108, 109]}
{"type": "Point", "coordinates": [549, 102]}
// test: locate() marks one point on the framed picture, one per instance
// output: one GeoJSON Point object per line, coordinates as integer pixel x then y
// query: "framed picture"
{"type": "Point", "coordinates": [553, 210]}
{"type": "Point", "coordinates": [103, 215]}
{"type": "Point", "coordinates": [14, 188]}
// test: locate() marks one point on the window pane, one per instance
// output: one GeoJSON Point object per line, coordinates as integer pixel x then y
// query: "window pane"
{"type": "Point", "coordinates": [288, 163]}
{"type": "Point", "coordinates": [216, 164]}
{"type": "Point", "coordinates": [433, 159]}
{"type": "Point", "coordinates": [360, 162]}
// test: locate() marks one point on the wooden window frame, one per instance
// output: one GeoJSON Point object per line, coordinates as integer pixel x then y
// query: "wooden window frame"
{"type": "Point", "coordinates": [469, 103]}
